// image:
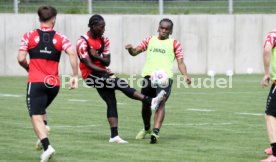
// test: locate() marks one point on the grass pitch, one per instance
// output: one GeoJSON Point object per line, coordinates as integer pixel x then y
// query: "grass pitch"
{"type": "Point", "coordinates": [201, 125]}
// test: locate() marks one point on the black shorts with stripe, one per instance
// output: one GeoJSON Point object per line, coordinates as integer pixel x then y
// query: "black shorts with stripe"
{"type": "Point", "coordinates": [39, 97]}
{"type": "Point", "coordinates": [152, 91]}
{"type": "Point", "coordinates": [106, 87]}
{"type": "Point", "coordinates": [271, 101]}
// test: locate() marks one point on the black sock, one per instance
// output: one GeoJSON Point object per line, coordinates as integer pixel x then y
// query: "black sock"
{"type": "Point", "coordinates": [147, 127]}
{"type": "Point", "coordinates": [114, 132]}
{"type": "Point", "coordinates": [45, 122]}
{"type": "Point", "coordinates": [156, 131]}
{"type": "Point", "coordinates": [147, 100]}
{"type": "Point", "coordinates": [273, 145]}
{"type": "Point", "coordinates": [146, 115]}
{"type": "Point", "coordinates": [45, 143]}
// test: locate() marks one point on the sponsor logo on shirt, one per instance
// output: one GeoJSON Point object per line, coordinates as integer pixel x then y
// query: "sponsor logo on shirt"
{"type": "Point", "coordinates": [158, 50]}
{"type": "Point", "coordinates": [45, 51]}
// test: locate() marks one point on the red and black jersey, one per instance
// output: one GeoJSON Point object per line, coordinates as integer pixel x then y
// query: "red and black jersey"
{"type": "Point", "coordinates": [96, 44]}
{"type": "Point", "coordinates": [44, 46]}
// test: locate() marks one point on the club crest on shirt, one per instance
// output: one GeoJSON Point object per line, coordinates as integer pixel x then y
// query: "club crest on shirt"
{"type": "Point", "coordinates": [54, 41]}
{"type": "Point", "coordinates": [36, 39]}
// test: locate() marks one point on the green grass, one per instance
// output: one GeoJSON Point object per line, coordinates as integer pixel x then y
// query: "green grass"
{"type": "Point", "coordinates": [80, 132]}
{"type": "Point", "coordinates": [145, 7]}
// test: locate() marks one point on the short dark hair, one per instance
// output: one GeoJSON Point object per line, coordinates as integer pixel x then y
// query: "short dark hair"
{"type": "Point", "coordinates": [167, 20]}
{"type": "Point", "coordinates": [45, 13]}
{"type": "Point", "coordinates": [94, 20]}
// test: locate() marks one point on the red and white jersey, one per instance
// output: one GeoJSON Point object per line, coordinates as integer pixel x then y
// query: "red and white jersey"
{"type": "Point", "coordinates": [94, 44]}
{"type": "Point", "coordinates": [41, 69]}
{"type": "Point", "coordinates": [176, 45]}
{"type": "Point", "coordinates": [271, 38]}
{"type": "Point", "coordinates": [31, 39]}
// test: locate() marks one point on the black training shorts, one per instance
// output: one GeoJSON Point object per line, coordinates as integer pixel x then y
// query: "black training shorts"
{"type": "Point", "coordinates": [152, 91]}
{"type": "Point", "coordinates": [271, 102]}
{"type": "Point", "coordinates": [39, 97]}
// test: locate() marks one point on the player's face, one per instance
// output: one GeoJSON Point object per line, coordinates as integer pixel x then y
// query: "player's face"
{"type": "Point", "coordinates": [165, 29]}
{"type": "Point", "coordinates": [99, 29]}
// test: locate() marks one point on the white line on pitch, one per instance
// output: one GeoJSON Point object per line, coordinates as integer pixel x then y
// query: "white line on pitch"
{"type": "Point", "coordinates": [9, 95]}
{"type": "Point", "coordinates": [245, 113]}
{"type": "Point", "coordinates": [72, 126]}
{"type": "Point", "coordinates": [121, 103]}
{"type": "Point", "coordinates": [69, 126]}
{"type": "Point", "coordinates": [197, 124]}
{"type": "Point", "coordinates": [77, 100]}
{"type": "Point", "coordinates": [201, 110]}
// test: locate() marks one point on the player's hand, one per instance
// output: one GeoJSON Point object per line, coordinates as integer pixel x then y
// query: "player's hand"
{"type": "Point", "coordinates": [128, 46]}
{"type": "Point", "coordinates": [188, 79]}
{"type": "Point", "coordinates": [265, 81]}
{"type": "Point", "coordinates": [94, 53]}
{"type": "Point", "coordinates": [73, 82]}
{"type": "Point", "coordinates": [108, 71]}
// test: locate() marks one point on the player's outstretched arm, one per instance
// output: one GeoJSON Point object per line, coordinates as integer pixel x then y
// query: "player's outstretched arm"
{"type": "Point", "coordinates": [182, 68]}
{"type": "Point", "coordinates": [21, 58]}
{"type": "Point", "coordinates": [133, 51]}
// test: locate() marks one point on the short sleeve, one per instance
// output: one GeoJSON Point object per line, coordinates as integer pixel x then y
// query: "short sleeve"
{"type": "Point", "coordinates": [82, 48]}
{"type": "Point", "coordinates": [144, 43]}
{"type": "Point", "coordinates": [271, 39]}
{"type": "Point", "coordinates": [178, 50]}
{"type": "Point", "coordinates": [106, 50]}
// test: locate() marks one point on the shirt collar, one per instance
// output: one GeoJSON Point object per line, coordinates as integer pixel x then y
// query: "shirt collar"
{"type": "Point", "coordinates": [43, 28]}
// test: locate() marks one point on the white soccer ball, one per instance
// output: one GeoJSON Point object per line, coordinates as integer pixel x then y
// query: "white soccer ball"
{"type": "Point", "coordinates": [159, 78]}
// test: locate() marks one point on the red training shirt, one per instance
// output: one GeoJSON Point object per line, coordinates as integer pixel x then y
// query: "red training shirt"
{"type": "Point", "coordinates": [42, 70]}
{"type": "Point", "coordinates": [83, 53]}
